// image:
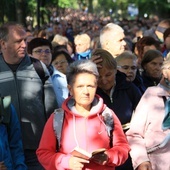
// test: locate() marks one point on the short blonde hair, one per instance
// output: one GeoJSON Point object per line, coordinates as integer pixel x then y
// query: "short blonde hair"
{"type": "Point", "coordinates": [85, 38]}
{"type": "Point", "coordinates": [168, 55]}
{"type": "Point", "coordinates": [166, 62]}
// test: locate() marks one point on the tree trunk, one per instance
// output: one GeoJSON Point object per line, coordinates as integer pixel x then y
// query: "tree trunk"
{"type": "Point", "coordinates": [90, 6]}
{"type": "Point", "coordinates": [20, 11]}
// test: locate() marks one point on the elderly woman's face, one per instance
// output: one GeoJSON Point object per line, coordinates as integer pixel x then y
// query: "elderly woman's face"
{"type": "Point", "coordinates": [106, 79]}
{"type": "Point", "coordinates": [153, 68]}
{"type": "Point", "coordinates": [43, 53]}
{"type": "Point", "coordinates": [83, 89]}
{"type": "Point", "coordinates": [60, 63]}
{"type": "Point", "coordinates": [129, 67]}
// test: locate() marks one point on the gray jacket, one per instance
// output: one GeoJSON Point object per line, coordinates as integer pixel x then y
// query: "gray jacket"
{"type": "Point", "coordinates": [34, 102]}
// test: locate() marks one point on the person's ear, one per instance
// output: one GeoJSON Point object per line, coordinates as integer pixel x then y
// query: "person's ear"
{"type": "Point", "coordinates": [2, 44]}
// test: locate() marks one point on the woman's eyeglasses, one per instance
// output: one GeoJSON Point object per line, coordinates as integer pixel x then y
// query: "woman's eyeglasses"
{"type": "Point", "coordinates": [61, 62]}
{"type": "Point", "coordinates": [41, 51]}
{"type": "Point", "coordinates": [125, 67]}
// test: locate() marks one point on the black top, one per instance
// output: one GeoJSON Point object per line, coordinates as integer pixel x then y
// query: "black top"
{"type": "Point", "coordinates": [149, 81]}
{"type": "Point", "coordinates": [124, 98]}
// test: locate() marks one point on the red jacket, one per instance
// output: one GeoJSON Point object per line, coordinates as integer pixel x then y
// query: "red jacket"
{"type": "Point", "coordinates": [89, 133]}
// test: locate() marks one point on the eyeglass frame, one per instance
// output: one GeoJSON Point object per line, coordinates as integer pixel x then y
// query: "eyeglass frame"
{"type": "Point", "coordinates": [41, 51]}
{"type": "Point", "coordinates": [126, 67]}
{"type": "Point", "coordinates": [61, 62]}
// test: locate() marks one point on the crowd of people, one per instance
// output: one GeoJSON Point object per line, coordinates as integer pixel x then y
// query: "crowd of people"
{"type": "Point", "coordinates": [108, 81]}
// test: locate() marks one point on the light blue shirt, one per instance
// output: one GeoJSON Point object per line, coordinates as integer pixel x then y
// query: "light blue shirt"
{"type": "Point", "coordinates": [59, 81]}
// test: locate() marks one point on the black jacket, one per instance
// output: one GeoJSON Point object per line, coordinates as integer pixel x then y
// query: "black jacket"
{"type": "Point", "coordinates": [124, 98]}
{"type": "Point", "coordinates": [149, 81]}
{"type": "Point", "coordinates": [139, 83]}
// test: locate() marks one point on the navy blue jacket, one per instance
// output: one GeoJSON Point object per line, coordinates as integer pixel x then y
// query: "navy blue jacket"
{"type": "Point", "coordinates": [124, 98]}
{"type": "Point", "coordinates": [139, 82]}
{"type": "Point", "coordinates": [11, 148]}
{"type": "Point", "coordinates": [149, 81]}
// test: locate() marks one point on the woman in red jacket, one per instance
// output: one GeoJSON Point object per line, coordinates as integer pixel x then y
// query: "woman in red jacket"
{"type": "Point", "coordinates": [88, 124]}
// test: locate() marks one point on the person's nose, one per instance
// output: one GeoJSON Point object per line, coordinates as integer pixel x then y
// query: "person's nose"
{"type": "Point", "coordinates": [85, 90]}
{"type": "Point", "coordinates": [103, 80]}
{"type": "Point", "coordinates": [158, 67]}
{"type": "Point", "coordinates": [43, 53]}
{"type": "Point", "coordinates": [123, 42]}
{"type": "Point", "coordinates": [59, 64]}
{"type": "Point", "coordinates": [130, 70]}
{"type": "Point", "coordinates": [23, 43]}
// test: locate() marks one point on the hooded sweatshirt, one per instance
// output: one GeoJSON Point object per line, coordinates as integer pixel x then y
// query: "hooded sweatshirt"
{"type": "Point", "coordinates": [88, 133]}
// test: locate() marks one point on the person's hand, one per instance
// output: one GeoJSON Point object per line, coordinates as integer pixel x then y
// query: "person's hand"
{"type": "Point", "coordinates": [76, 163]}
{"type": "Point", "coordinates": [97, 60]}
{"type": "Point", "coordinates": [2, 166]}
{"type": "Point", "coordinates": [144, 166]}
{"type": "Point", "coordinates": [100, 158]}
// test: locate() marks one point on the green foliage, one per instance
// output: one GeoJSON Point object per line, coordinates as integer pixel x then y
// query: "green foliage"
{"type": "Point", "coordinates": [154, 7]}
{"type": "Point", "coordinates": [9, 8]}
{"type": "Point", "coordinates": [64, 3]}
{"type": "Point", "coordinates": [160, 8]}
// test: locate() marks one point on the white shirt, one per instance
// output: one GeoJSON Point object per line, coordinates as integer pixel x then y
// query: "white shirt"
{"type": "Point", "coordinates": [59, 81]}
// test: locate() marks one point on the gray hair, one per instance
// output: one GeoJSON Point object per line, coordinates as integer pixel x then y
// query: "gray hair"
{"type": "Point", "coordinates": [110, 28]}
{"type": "Point", "coordinates": [125, 55]}
{"type": "Point", "coordinates": [4, 29]}
{"type": "Point", "coordinates": [81, 66]}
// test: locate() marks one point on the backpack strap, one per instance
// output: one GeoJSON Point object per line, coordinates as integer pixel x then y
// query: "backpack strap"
{"type": "Point", "coordinates": [109, 122]}
{"type": "Point", "coordinates": [59, 118]}
{"type": "Point", "coordinates": [39, 69]}
{"type": "Point", "coordinates": [58, 124]}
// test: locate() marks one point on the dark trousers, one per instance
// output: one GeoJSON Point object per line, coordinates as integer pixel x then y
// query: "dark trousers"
{"type": "Point", "coordinates": [126, 166]}
{"type": "Point", "coordinates": [32, 161]}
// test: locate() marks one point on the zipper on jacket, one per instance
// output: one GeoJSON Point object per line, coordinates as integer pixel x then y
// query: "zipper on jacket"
{"type": "Point", "coordinates": [16, 85]}
{"type": "Point", "coordinates": [111, 99]}
{"type": "Point", "coordinates": [111, 94]}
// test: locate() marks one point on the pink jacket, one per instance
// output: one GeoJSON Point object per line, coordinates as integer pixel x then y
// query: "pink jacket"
{"type": "Point", "coordinates": [145, 130]}
{"type": "Point", "coordinates": [89, 133]}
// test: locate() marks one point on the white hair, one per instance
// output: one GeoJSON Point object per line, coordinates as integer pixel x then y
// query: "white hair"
{"type": "Point", "coordinates": [59, 40]}
{"type": "Point", "coordinates": [109, 31]}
